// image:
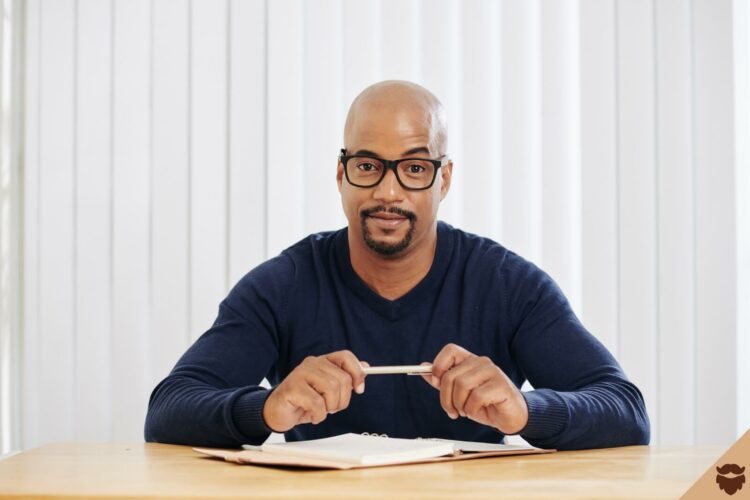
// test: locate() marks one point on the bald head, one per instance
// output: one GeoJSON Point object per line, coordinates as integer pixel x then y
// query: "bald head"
{"type": "Point", "coordinates": [400, 99]}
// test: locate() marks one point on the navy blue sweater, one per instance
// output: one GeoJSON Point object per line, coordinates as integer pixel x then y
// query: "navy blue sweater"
{"type": "Point", "coordinates": [477, 294]}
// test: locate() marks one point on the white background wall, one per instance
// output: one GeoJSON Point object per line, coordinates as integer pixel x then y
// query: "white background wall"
{"type": "Point", "coordinates": [172, 145]}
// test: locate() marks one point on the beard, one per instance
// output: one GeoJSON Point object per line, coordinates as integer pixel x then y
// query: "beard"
{"type": "Point", "coordinates": [387, 249]}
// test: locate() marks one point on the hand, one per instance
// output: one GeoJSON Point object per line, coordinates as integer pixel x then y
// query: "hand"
{"type": "Point", "coordinates": [474, 387]}
{"type": "Point", "coordinates": [315, 388]}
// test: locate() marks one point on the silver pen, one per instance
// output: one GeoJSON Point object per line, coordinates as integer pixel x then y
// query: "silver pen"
{"type": "Point", "coordinates": [397, 370]}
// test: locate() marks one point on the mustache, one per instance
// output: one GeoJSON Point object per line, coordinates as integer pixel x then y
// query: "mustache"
{"type": "Point", "coordinates": [730, 468]}
{"type": "Point", "coordinates": [366, 212]}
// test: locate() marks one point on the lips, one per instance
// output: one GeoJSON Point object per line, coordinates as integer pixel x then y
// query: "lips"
{"type": "Point", "coordinates": [385, 220]}
{"type": "Point", "coordinates": [381, 212]}
{"type": "Point", "coordinates": [387, 216]}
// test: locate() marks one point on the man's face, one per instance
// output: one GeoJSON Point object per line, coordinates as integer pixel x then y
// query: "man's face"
{"type": "Point", "coordinates": [390, 218]}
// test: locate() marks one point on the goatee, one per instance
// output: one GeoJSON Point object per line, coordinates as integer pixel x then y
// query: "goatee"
{"type": "Point", "coordinates": [387, 249]}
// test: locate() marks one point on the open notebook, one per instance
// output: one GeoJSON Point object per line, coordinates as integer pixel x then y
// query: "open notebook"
{"type": "Point", "coordinates": [348, 451]}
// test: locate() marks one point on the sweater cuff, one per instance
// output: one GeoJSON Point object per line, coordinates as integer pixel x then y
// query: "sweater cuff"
{"type": "Point", "coordinates": [247, 414]}
{"type": "Point", "coordinates": [548, 414]}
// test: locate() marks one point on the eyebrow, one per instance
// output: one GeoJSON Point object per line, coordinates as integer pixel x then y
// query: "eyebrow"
{"type": "Point", "coordinates": [420, 149]}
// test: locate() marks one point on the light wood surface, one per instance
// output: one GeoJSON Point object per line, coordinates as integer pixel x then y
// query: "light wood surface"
{"type": "Point", "coordinates": [155, 470]}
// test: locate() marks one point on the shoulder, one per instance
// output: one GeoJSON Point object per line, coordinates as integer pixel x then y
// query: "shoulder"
{"type": "Point", "coordinates": [273, 279]}
{"type": "Point", "coordinates": [475, 252]}
{"type": "Point", "coordinates": [313, 245]}
{"type": "Point", "coordinates": [489, 259]}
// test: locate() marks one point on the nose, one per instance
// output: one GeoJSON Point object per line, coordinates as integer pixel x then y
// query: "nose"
{"type": "Point", "coordinates": [389, 190]}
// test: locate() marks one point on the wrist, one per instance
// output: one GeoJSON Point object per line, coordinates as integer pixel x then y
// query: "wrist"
{"type": "Point", "coordinates": [268, 415]}
{"type": "Point", "coordinates": [548, 414]}
{"type": "Point", "coordinates": [520, 416]}
{"type": "Point", "coordinates": [247, 414]}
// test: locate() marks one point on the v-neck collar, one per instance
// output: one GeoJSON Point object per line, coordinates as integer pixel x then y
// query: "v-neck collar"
{"type": "Point", "coordinates": [395, 309]}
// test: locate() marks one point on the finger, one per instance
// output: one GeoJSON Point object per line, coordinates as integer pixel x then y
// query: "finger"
{"type": "Point", "coordinates": [347, 361]}
{"type": "Point", "coordinates": [429, 377]}
{"type": "Point", "coordinates": [506, 417]}
{"type": "Point", "coordinates": [312, 402]}
{"type": "Point", "coordinates": [447, 386]}
{"type": "Point", "coordinates": [470, 374]}
{"type": "Point", "coordinates": [359, 389]}
{"type": "Point", "coordinates": [448, 357]}
{"type": "Point", "coordinates": [447, 383]}
{"type": "Point", "coordinates": [485, 395]}
{"type": "Point", "coordinates": [285, 420]}
{"type": "Point", "coordinates": [327, 385]}
{"type": "Point", "coordinates": [302, 417]}
{"type": "Point", "coordinates": [344, 384]}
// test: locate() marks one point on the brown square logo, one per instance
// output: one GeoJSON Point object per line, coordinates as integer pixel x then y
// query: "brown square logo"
{"type": "Point", "coordinates": [726, 477]}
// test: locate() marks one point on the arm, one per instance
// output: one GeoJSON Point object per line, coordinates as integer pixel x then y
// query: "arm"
{"type": "Point", "coordinates": [582, 398]}
{"type": "Point", "coordinates": [212, 396]}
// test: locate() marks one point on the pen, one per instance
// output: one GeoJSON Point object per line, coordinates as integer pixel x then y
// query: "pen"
{"type": "Point", "coordinates": [395, 370]}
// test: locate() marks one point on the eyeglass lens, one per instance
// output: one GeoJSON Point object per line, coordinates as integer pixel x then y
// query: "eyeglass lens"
{"type": "Point", "coordinates": [413, 173]}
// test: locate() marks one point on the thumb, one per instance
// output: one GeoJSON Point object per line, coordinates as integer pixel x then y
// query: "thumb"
{"type": "Point", "coordinates": [430, 378]}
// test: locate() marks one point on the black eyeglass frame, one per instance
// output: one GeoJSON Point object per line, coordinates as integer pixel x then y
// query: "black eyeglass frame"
{"type": "Point", "coordinates": [391, 165]}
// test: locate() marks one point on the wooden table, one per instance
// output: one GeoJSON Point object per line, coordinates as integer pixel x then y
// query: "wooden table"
{"type": "Point", "coordinates": [155, 470]}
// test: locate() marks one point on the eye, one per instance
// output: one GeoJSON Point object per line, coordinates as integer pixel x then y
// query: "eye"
{"type": "Point", "coordinates": [415, 168]}
{"type": "Point", "coordinates": [366, 167]}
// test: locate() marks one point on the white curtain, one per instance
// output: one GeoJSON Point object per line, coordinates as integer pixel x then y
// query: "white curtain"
{"type": "Point", "coordinates": [10, 220]}
{"type": "Point", "coordinates": [172, 145]}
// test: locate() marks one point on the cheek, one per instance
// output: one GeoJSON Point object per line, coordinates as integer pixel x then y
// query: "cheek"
{"type": "Point", "coordinates": [351, 202]}
{"type": "Point", "coordinates": [431, 202]}
{"type": "Point", "coordinates": [425, 207]}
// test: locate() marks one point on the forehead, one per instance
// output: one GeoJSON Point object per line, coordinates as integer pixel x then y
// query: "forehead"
{"type": "Point", "coordinates": [389, 130]}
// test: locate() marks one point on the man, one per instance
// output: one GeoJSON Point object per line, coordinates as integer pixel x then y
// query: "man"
{"type": "Point", "coordinates": [396, 287]}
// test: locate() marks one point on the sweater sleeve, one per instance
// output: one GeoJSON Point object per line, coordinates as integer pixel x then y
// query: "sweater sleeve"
{"type": "Point", "coordinates": [212, 397]}
{"type": "Point", "coordinates": [581, 397]}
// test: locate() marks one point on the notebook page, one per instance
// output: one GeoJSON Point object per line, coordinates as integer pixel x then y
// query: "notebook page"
{"type": "Point", "coordinates": [478, 447]}
{"type": "Point", "coordinates": [363, 450]}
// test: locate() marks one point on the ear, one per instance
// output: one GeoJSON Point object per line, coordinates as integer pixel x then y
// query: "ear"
{"type": "Point", "coordinates": [446, 173]}
{"type": "Point", "coordinates": [339, 174]}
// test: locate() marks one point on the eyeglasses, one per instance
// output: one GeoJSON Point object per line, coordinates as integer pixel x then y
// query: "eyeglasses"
{"type": "Point", "coordinates": [412, 173]}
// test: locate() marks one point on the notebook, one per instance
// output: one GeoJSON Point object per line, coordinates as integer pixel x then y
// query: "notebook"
{"type": "Point", "coordinates": [348, 451]}
{"type": "Point", "coordinates": [362, 450]}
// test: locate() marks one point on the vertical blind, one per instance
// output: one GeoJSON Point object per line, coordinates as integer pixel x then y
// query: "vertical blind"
{"type": "Point", "coordinates": [171, 146]}
{"type": "Point", "coordinates": [10, 222]}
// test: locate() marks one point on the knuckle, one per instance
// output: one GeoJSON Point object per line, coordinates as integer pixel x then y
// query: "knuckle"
{"type": "Point", "coordinates": [462, 384]}
{"type": "Point", "coordinates": [319, 405]}
{"type": "Point", "coordinates": [446, 402]}
{"type": "Point", "coordinates": [309, 360]}
{"type": "Point", "coordinates": [330, 400]}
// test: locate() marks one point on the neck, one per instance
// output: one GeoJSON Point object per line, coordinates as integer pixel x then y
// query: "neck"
{"type": "Point", "coordinates": [393, 277]}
